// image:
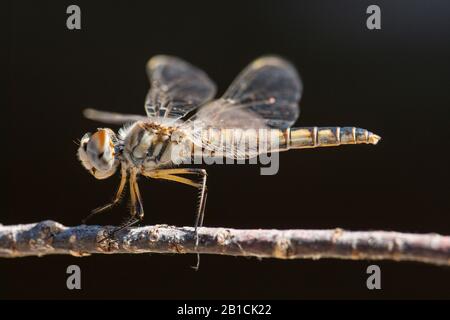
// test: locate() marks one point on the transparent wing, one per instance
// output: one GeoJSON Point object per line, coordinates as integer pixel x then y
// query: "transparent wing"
{"type": "Point", "coordinates": [111, 117]}
{"type": "Point", "coordinates": [265, 95]}
{"type": "Point", "coordinates": [177, 87]}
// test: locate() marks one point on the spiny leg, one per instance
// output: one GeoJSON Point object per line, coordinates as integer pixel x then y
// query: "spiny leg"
{"type": "Point", "coordinates": [202, 204]}
{"type": "Point", "coordinates": [136, 210]}
{"type": "Point", "coordinates": [170, 174]}
{"type": "Point", "coordinates": [205, 196]}
{"type": "Point", "coordinates": [129, 223]}
{"type": "Point", "coordinates": [116, 199]}
{"type": "Point", "coordinates": [138, 206]}
{"type": "Point", "coordinates": [200, 214]}
{"type": "Point", "coordinates": [161, 174]}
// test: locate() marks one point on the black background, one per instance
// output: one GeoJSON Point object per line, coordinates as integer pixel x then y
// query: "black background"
{"type": "Point", "coordinates": [393, 81]}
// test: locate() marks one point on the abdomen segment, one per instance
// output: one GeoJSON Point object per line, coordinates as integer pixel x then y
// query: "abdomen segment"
{"type": "Point", "coordinates": [313, 137]}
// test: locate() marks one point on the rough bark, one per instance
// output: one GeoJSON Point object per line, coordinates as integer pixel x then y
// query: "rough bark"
{"type": "Point", "coordinates": [49, 237]}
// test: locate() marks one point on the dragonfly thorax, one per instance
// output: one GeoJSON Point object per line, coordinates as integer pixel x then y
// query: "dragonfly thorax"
{"type": "Point", "coordinates": [149, 145]}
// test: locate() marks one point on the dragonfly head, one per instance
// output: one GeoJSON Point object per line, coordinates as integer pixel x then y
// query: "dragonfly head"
{"type": "Point", "coordinates": [96, 153]}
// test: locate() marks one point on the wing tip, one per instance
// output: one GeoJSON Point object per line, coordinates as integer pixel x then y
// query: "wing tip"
{"type": "Point", "coordinates": [161, 59]}
{"type": "Point", "coordinates": [271, 59]}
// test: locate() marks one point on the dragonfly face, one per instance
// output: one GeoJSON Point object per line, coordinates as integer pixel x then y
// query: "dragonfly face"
{"type": "Point", "coordinates": [97, 155]}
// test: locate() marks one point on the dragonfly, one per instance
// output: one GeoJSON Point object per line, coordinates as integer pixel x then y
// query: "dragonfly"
{"type": "Point", "coordinates": [182, 114]}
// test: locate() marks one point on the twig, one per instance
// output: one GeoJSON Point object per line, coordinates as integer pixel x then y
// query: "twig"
{"type": "Point", "coordinates": [49, 237]}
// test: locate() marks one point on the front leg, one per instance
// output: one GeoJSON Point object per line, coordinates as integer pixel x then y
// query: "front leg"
{"type": "Point", "coordinates": [115, 200]}
{"type": "Point", "coordinates": [136, 209]}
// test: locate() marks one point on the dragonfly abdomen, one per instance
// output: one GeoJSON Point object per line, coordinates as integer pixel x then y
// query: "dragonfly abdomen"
{"type": "Point", "coordinates": [248, 143]}
{"type": "Point", "coordinates": [313, 137]}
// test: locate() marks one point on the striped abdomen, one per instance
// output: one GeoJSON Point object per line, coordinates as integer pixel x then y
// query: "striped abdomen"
{"type": "Point", "coordinates": [313, 137]}
{"type": "Point", "coordinates": [248, 143]}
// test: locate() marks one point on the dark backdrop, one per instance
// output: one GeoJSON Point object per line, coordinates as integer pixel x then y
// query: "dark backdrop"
{"type": "Point", "coordinates": [393, 81]}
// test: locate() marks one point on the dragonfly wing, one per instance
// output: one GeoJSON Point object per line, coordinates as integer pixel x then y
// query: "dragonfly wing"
{"type": "Point", "coordinates": [177, 87]}
{"type": "Point", "coordinates": [111, 117]}
{"type": "Point", "coordinates": [265, 95]}
{"type": "Point", "coordinates": [219, 141]}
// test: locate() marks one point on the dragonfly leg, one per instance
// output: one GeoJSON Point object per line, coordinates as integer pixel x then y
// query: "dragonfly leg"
{"type": "Point", "coordinates": [171, 174]}
{"type": "Point", "coordinates": [129, 223]}
{"type": "Point", "coordinates": [200, 213]}
{"type": "Point", "coordinates": [136, 210]}
{"type": "Point", "coordinates": [116, 199]}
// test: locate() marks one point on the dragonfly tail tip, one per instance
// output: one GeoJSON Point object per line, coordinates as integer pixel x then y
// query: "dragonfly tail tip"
{"type": "Point", "coordinates": [373, 138]}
